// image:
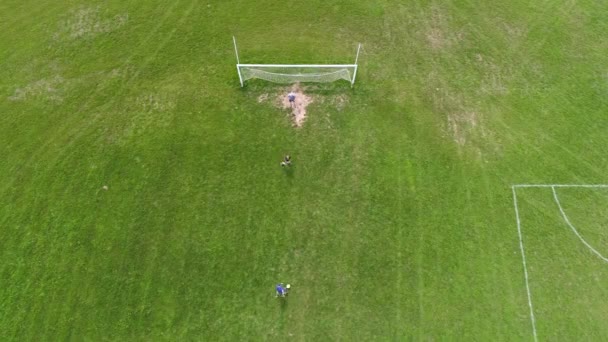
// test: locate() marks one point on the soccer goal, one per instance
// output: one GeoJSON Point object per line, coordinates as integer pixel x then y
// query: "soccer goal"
{"type": "Point", "coordinates": [291, 73]}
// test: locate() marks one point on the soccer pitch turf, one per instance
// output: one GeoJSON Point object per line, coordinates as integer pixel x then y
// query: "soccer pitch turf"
{"type": "Point", "coordinates": [403, 216]}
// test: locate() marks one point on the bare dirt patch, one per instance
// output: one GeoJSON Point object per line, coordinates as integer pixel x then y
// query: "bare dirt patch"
{"type": "Point", "coordinates": [262, 98]}
{"type": "Point", "coordinates": [47, 89]}
{"type": "Point", "coordinates": [461, 125]}
{"type": "Point", "coordinates": [298, 109]}
{"type": "Point", "coordinates": [515, 32]}
{"type": "Point", "coordinates": [155, 103]}
{"type": "Point", "coordinates": [88, 22]}
{"type": "Point", "coordinates": [340, 102]}
{"type": "Point", "coordinates": [439, 33]}
{"type": "Point", "coordinates": [436, 39]}
{"type": "Point", "coordinates": [462, 120]}
{"type": "Point", "coordinates": [304, 96]}
{"type": "Point", "coordinates": [494, 78]}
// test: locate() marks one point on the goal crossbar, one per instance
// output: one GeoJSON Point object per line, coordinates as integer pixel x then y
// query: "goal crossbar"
{"type": "Point", "coordinates": [299, 65]}
{"type": "Point", "coordinates": [279, 72]}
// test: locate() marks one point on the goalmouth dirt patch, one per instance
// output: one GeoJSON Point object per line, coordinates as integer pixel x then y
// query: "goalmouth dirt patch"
{"type": "Point", "coordinates": [298, 112]}
{"type": "Point", "coordinates": [298, 107]}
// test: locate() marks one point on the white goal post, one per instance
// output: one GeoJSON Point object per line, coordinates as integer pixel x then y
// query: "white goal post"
{"type": "Point", "coordinates": [291, 73]}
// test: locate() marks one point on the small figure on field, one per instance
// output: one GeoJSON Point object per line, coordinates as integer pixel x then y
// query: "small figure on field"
{"type": "Point", "coordinates": [292, 99]}
{"type": "Point", "coordinates": [282, 291]}
{"type": "Point", "coordinates": [286, 161]}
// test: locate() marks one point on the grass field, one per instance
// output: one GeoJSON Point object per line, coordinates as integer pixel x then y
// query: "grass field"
{"type": "Point", "coordinates": [396, 221]}
{"type": "Point", "coordinates": [565, 277]}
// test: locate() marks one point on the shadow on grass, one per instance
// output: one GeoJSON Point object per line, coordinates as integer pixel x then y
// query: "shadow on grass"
{"type": "Point", "coordinates": [283, 303]}
{"type": "Point", "coordinates": [289, 171]}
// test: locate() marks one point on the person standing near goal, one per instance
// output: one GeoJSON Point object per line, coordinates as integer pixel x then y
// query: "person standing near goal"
{"type": "Point", "coordinates": [292, 99]}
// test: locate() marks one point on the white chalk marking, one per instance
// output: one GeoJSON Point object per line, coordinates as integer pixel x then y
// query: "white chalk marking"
{"type": "Point", "coordinates": [574, 229]}
{"type": "Point", "coordinates": [523, 259]}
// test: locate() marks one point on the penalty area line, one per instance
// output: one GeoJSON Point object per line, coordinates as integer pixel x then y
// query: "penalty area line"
{"type": "Point", "coordinates": [574, 229]}
{"type": "Point", "coordinates": [559, 186]}
{"type": "Point", "coordinates": [523, 259]}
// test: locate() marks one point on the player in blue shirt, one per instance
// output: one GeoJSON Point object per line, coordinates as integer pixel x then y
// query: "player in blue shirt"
{"type": "Point", "coordinates": [281, 291]}
{"type": "Point", "coordinates": [292, 99]}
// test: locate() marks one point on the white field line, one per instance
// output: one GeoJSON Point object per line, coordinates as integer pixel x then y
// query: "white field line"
{"type": "Point", "coordinates": [297, 65]}
{"type": "Point", "coordinates": [523, 259]}
{"type": "Point", "coordinates": [574, 229]}
{"type": "Point", "coordinates": [560, 186]}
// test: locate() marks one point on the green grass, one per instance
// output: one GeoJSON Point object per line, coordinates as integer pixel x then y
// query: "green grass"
{"type": "Point", "coordinates": [565, 276]}
{"type": "Point", "coordinates": [396, 221]}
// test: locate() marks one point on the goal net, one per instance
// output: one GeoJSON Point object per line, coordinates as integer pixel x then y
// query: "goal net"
{"type": "Point", "coordinates": [297, 73]}
{"type": "Point", "coordinates": [291, 73]}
